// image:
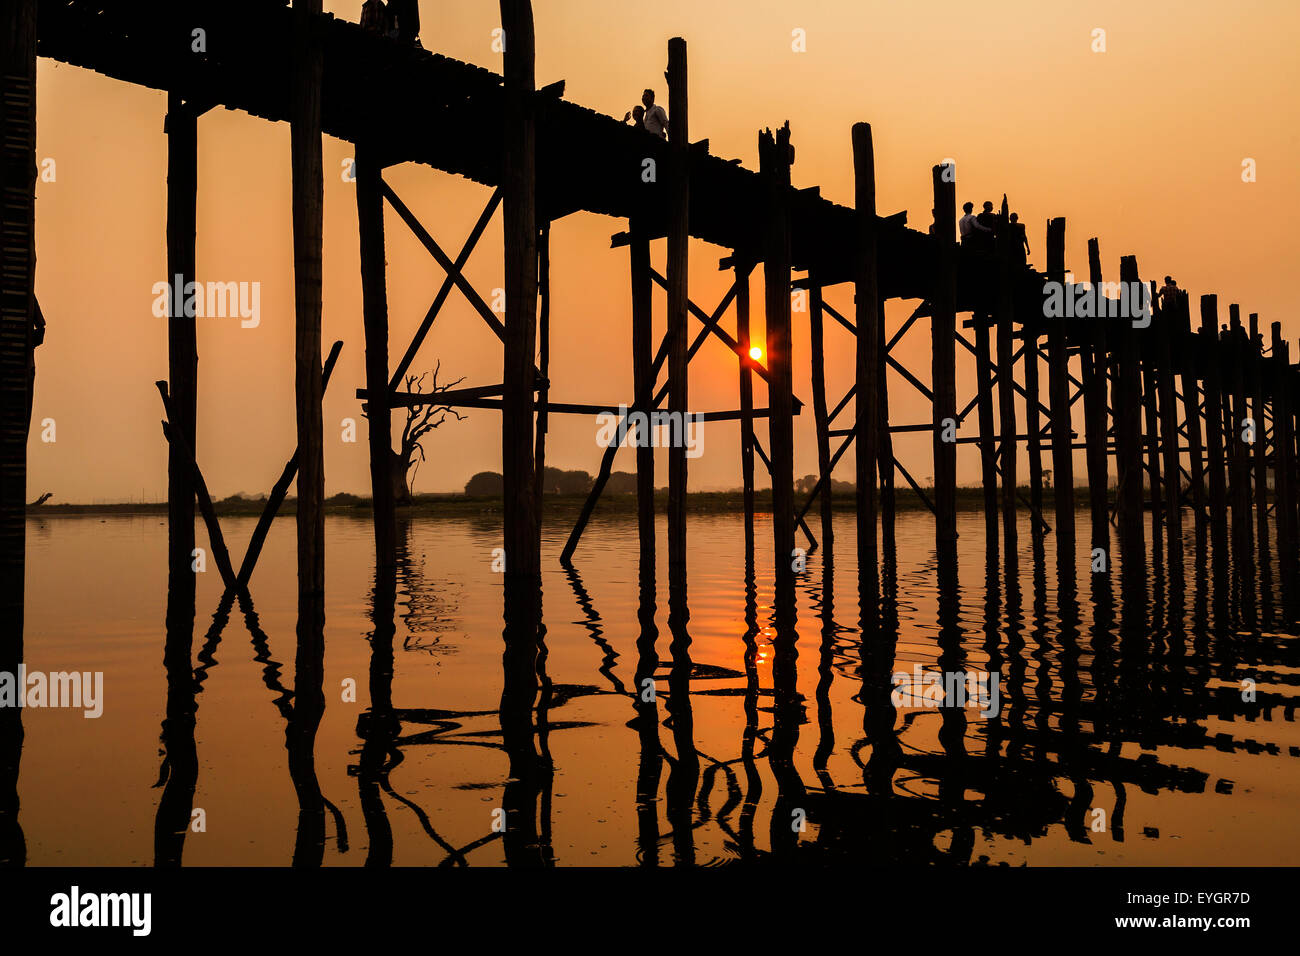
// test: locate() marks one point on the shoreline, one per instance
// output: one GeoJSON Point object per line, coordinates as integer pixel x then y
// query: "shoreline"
{"type": "Point", "coordinates": [452, 505]}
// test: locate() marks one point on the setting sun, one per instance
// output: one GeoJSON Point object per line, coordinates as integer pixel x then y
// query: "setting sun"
{"type": "Point", "coordinates": [756, 353]}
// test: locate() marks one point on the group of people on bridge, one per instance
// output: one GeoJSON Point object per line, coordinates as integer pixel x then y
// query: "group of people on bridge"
{"type": "Point", "coordinates": [981, 231]}
{"type": "Point", "coordinates": [648, 115]}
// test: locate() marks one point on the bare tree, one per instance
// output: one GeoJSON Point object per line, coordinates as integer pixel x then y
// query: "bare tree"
{"type": "Point", "coordinates": [420, 420]}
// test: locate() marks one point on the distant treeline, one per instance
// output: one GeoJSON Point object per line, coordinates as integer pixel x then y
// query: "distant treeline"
{"type": "Point", "coordinates": [556, 481]}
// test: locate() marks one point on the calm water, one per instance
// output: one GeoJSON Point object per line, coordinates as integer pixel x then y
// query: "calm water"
{"type": "Point", "coordinates": [1144, 722]}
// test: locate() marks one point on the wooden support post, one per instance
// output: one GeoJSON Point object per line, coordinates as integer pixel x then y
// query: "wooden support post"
{"type": "Point", "coordinates": [818, 347]}
{"type": "Point", "coordinates": [1094, 410]}
{"type": "Point", "coordinates": [308, 229]}
{"type": "Point", "coordinates": [1006, 388]}
{"type": "Point", "coordinates": [1243, 519]}
{"type": "Point", "coordinates": [1128, 438]}
{"type": "Point", "coordinates": [519, 216]}
{"type": "Point", "coordinates": [774, 165]}
{"type": "Point", "coordinates": [884, 439]}
{"type": "Point", "coordinates": [182, 349]}
{"type": "Point", "coordinates": [943, 361]}
{"type": "Point", "coordinates": [1058, 389]}
{"type": "Point", "coordinates": [1164, 336]}
{"type": "Point", "coordinates": [1260, 466]}
{"type": "Point", "coordinates": [544, 363]}
{"type": "Point", "coordinates": [1214, 445]}
{"type": "Point", "coordinates": [1033, 424]}
{"type": "Point", "coordinates": [17, 310]}
{"type": "Point", "coordinates": [374, 313]}
{"type": "Point", "coordinates": [867, 303]}
{"type": "Point", "coordinates": [678, 256]}
{"type": "Point", "coordinates": [984, 401]}
{"type": "Point", "coordinates": [1151, 445]}
{"type": "Point", "coordinates": [1283, 450]}
{"type": "Point", "coordinates": [1189, 349]}
{"type": "Point", "coordinates": [642, 387]}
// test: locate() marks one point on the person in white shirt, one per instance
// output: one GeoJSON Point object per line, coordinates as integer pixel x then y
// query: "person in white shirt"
{"type": "Point", "coordinates": [969, 226]}
{"type": "Point", "coordinates": [656, 118]}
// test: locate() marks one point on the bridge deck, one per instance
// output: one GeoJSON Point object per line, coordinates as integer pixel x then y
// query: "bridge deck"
{"type": "Point", "coordinates": [422, 107]}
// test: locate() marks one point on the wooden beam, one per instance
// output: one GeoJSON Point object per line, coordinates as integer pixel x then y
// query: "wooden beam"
{"type": "Point", "coordinates": [818, 348]}
{"type": "Point", "coordinates": [1058, 391]}
{"type": "Point", "coordinates": [182, 348]}
{"type": "Point", "coordinates": [17, 311]}
{"type": "Point", "coordinates": [943, 359]}
{"type": "Point", "coordinates": [643, 380]}
{"type": "Point", "coordinates": [279, 491]}
{"type": "Point", "coordinates": [1094, 414]}
{"type": "Point", "coordinates": [1212, 382]}
{"type": "Point", "coordinates": [1260, 466]}
{"type": "Point", "coordinates": [678, 209]}
{"type": "Point", "coordinates": [519, 215]}
{"type": "Point", "coordinates": [742, 270]}
{"type": "Point", "coordinates": [1128, 438]}
{"type": "Point", "coordinates": [774, 153]}
{"type": "Point", "coordinates": [448, 282]}
{"type": "Point", "coordinates": [374, 312]}
{"type": "Point", "coordinates": [1005, 314]}
{"type": "Point", "coordinates": [867, 367]}
{"type": "Point", "coordinates": [308, 228]}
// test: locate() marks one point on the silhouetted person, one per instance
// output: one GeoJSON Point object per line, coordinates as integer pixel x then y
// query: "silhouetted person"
{"type": "Point", "coordinates": [656, 119]}
{"type": "Point", "coordinates": [376, 18]}
{"type": "Point", "coordinates": [1168, 293]}
{"type": "Point", "coordinates": [971, 230]}
{"type": "Point", "coordinates": [636, 117]}
{"type": "Point", "coordinates": [406, 20]}
{"type": "Point", "coordinates": [1022, 250]}
{"type": "Point", "coordinates": [37, 336]}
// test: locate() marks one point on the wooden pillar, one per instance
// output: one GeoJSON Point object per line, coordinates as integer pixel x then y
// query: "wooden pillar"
{"type": "Point", "coordinates": [818, 346]}
{"type": "Point", "coordinates": [1283, 449]}
{"type": "Point", "coordinates": [678, 241]}
{"type": "Point", "coordinates": [544, 366]}
{"type": "Point", "coordinates": [943, 364]}
{"type": "Point", "coordinates": [308, 229]}
{"type": "Point", "coordinates": [1033, 422]}
{"type": "Point", "coordinates": [1214, 428]}
{"type": "Point", "coordinates": [643, 389]}
{"type": "Point", "coordinates": [519, 216]}
{"type": "Point", "coordinates": [1151, 443]}
{"type": "Point", "coordinates": [884, 437]}
{"type": "Point", "coordinates": [774, 166]}
{"type": "Point", "coordinates": [1212, 384]}
{"type": "Point", "coordinates": [1058, 389]}
{"type": "Point", "coordinates": [1188, 349]}
{"type": "Point", "coordinates": [1094, 410]}
{"type": "Point", "coordinates": [1170, 440]}
{"type": "Point", "coordinates": [1128, 434]}
{"type": "Point", "coordinates": [17, 308]}
{"type": "Point", "coordinates": [1260, 466]}
{"type": "Point", "coordinates": [1243, 518]}
{"type": "Point", "coordinates": [182, 349]}
{"type": "Point", "coordinates": [1006, 390]}
{"type": "Point", "coordinates": [374, 311]}
{"type": "Point", "coordinates": [867, 366]}
{"type": "Point", "coordinates": [984, 408]}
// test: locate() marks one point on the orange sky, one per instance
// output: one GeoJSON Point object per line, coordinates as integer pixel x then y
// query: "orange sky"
{"type": "Point", "coordinates": [1141, 145]}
